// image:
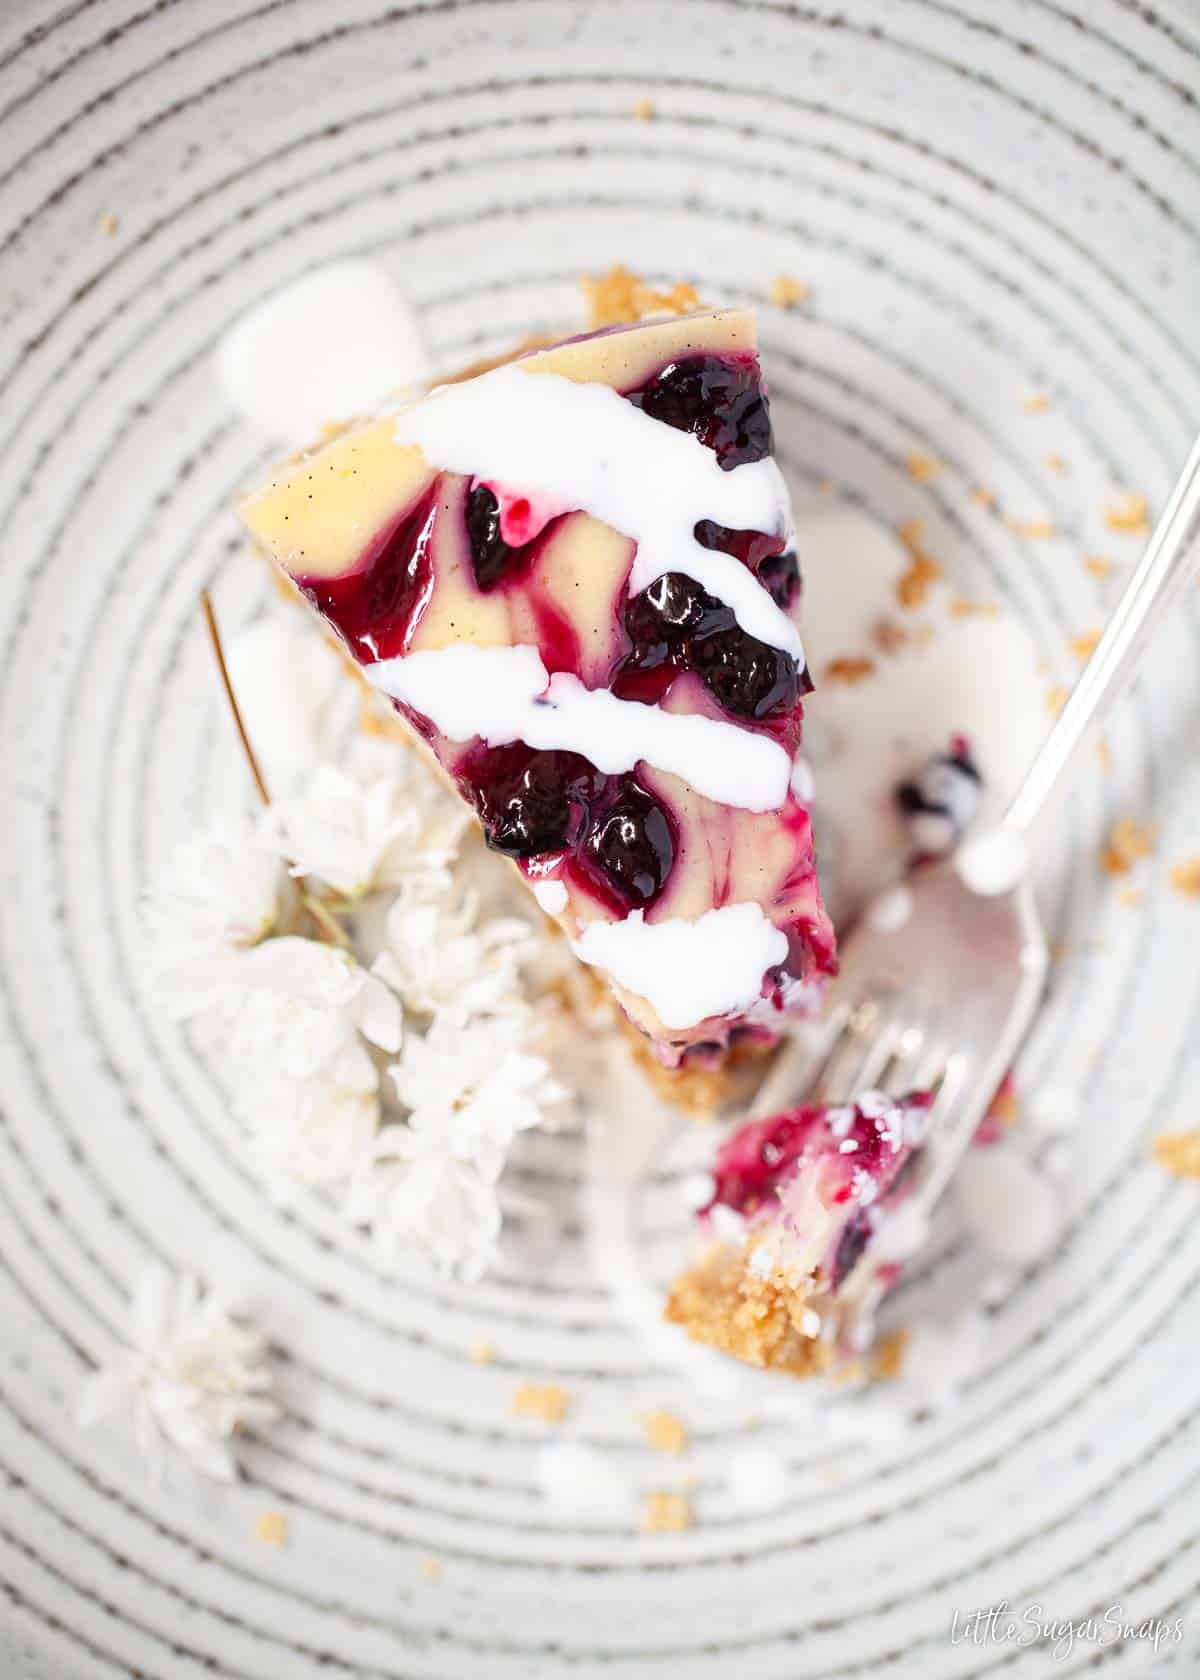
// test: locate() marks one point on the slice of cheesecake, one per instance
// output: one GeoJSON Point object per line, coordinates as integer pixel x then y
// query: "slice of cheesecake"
{"type": "Point", "coordinates": [574, 576]}
{"type": "Point", "coordinates": [798, 1200]}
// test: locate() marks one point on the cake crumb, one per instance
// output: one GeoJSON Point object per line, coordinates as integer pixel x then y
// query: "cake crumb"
{"type": "Point", "coordinates": [666, 1513]}
{"type": "Point", "coordinates": [1185, 878]}
{"type": "Point", "coordinates": [620, 298]}
{"type": "Point", "coordinates": [1035, 402]}
{"type": "Point", "coordinates": [1055, 462]}
{"type": "Point", "coordinates": [888, 636]}
{"type": "Point", "coordinates": [642, 109]}
{"type": "Point", "coordinates": [271, 1528]}
{"type": "Point", "coordinates": [887, 1357]}
{"type": "Point", "coordinates": [1128, 841]}
{"type": "Point", "coordinates": [1130, 896]}
{"type": "Point", "coordinates": [1128, 513]}
{"type": "Point", "coordinates": [1179, 1153]}
{"type": "Point", "coordinates": [922, 467]}
{"type": "Point", "coordinates": [1083, 646]}
{"type": "Point", "coordinates": [1098, 565]}
{"type": "Point", "coordinates": [983, 498]}
{"type": "Point", "coordinates": [1004, 1108]}
{"type": "Point", "coordinates": [431, 1568]}
{"type": "Point", "coordinates": [481, 1351]}
{"type": "Point", "coordinates": [786, 291]}
{"type": "Point", "coordinates": [922, 571]}
{"type": "Point", "coordinates": [849, 670]}
{"type": "Point", "coordinates": [1036, 530]}
{"type": "Point", "coordinates": [664, 1432]}
{"type": "Point", "coordinates": [960, 607]}
{"type": "Point", "coordinates": [1057, 696]}
{"type": "Point", "coordinates": [108, 225]}
{"type": "Point", "coordinates": [1104, 754]}
{"type": "Point", "coordinates": [548, 1402]}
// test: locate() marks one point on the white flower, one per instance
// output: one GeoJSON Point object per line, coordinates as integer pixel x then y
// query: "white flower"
{"type": "Point", "coordinates": [419, 1194]}
{"type": "Point", "coordinates": [191, 1377]}
{"type": "Point", "coordinates": [290, 681]}
{"type": "Point", "coordinates": [221, 896]}
{"type": "Point", "coordinates": [365, 836]}
{"type": "Point", "coordinates": [316, 1131]}
{"type": "Point", "coordinates": [302, 1008]}
{"type": "Point", "coordinates": [435, 961]}
{"type": "Point", "coordinates": [470, 1084]}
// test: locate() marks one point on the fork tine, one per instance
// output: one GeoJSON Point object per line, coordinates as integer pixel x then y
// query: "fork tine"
{"type": "Point", "coordinates": [799, 1063]}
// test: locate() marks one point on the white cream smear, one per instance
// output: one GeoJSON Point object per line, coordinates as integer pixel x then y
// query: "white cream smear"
{"type": "Point", "coordinates": [584, 447]}
{"type": "Point", "coordinates": [976, 675]}
{"type": "Point", "coordinates": [506, 694]}
{"type": "Point", "coordinates": [688, 970]}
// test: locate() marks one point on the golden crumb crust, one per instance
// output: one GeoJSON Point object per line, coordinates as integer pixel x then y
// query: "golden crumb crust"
{"type": "Point", "coordinates": [720, 1302]}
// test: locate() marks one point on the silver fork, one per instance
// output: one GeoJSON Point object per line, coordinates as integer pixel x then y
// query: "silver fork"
{"type": "Point", "coordinates": [943, 1001]}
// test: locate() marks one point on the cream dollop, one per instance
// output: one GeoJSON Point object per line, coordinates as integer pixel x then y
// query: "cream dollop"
{"type": "Point", "coordinates": [687, 970]}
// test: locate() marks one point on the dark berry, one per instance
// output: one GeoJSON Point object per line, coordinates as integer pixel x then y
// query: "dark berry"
{"type": "Point", "coordinates": [779, 575]}
{"type": "Point", "coordinates": [529, 802]}
{"type": "Point", "coordinates": [854, 1238]}
{"type": "Point", "coordinates": [372, 607]}
{"type": "Point", "coordinates": [632, 845]}
{"type": "Point", "coordinates": [748, 677]}
{"type": "Point", "coordinates": [719, 399]}
{"type": "Point", "coordinates": [491, 556]}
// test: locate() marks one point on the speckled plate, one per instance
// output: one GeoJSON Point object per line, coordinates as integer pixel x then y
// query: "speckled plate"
{"type": "Point", "coordinates": [987, 201]}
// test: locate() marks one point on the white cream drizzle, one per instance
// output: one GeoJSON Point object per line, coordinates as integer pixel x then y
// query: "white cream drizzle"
{"type": "Point", "coordinates": [582, 446]}
{"type": "Point", "coordinates": [505, 694]}
{"type": "Point", "coordinates": [685, 970]}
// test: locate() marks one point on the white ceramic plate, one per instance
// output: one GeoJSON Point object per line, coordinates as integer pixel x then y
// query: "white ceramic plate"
{"type": "Point", "coordinates": [987, 200]}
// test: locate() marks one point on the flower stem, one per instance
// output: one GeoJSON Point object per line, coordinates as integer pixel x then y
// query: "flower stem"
{"type": "Point", "coordinates": [218, 647]}
{"type": "Point", "coordinates": [320, 916]}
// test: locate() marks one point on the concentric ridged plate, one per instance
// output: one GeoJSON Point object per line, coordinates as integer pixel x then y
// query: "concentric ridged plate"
{"type": "Point", "coordinates": [985, 200]}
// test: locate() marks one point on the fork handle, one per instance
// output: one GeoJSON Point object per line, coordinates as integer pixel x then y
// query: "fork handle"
{"type": "Point", "coordinates": [1157, 581]}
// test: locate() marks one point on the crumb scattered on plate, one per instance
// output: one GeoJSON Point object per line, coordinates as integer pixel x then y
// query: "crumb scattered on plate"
{"type": "Point", "coordinates": [887, 1356]}
{"type": "Point", "coordinates": [664, 1432]}
{"type": "Point", "coordinates": [1035, 402]}
{"type": "Point", "coordinates": [959, 607]}
{"type": "Point", "coordinates": [983, 498]}
{"type": "Point", "coordinates": [1083, 646]}
{"type": "Point", "coordinates": [431, 1568]}
{"type": "Point", "coordinates": [481, 1351]}
{"type": "Point", "coordinates": [921, 466]}
{"type": "Point", "coordinates": [642, 109]}
{"type": "Point", "coordinates": [1128, 513]}
{"type": "Point", "coordinates": [271, 1528]}
{"type": "Point", "coordinates": [1055, 462]}
{"type": "Point", "coordinates": [1036, 530]}
{"type": "Point", "coordinates": [1129, 896]}
{"type": "Point", "coordinates": [786, 291]}
{"type": "Point", "coordinates": [1128, 841]}
{"type": "Point", "coordinates": [1179, 1153]}
{"type": "Point", "coordinates": [666, 1513]}
{"type": "Point", "coordinates": [548, 1402]}
{"type": "Point", "coordinates": [922, 571]}
{"type": "Point", "coordinates": [108, 225]}
{"type": "Point", "coordinates": [1098, 564]}
{"type": "Point", "coordinates": [1185, 878]}
{"type": "Point", "coordinates": [1104, 754]}
{"type": "Point", "coordinates": [849, 669]}
{"type": "Point", "coordinates": [1057, 696]}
